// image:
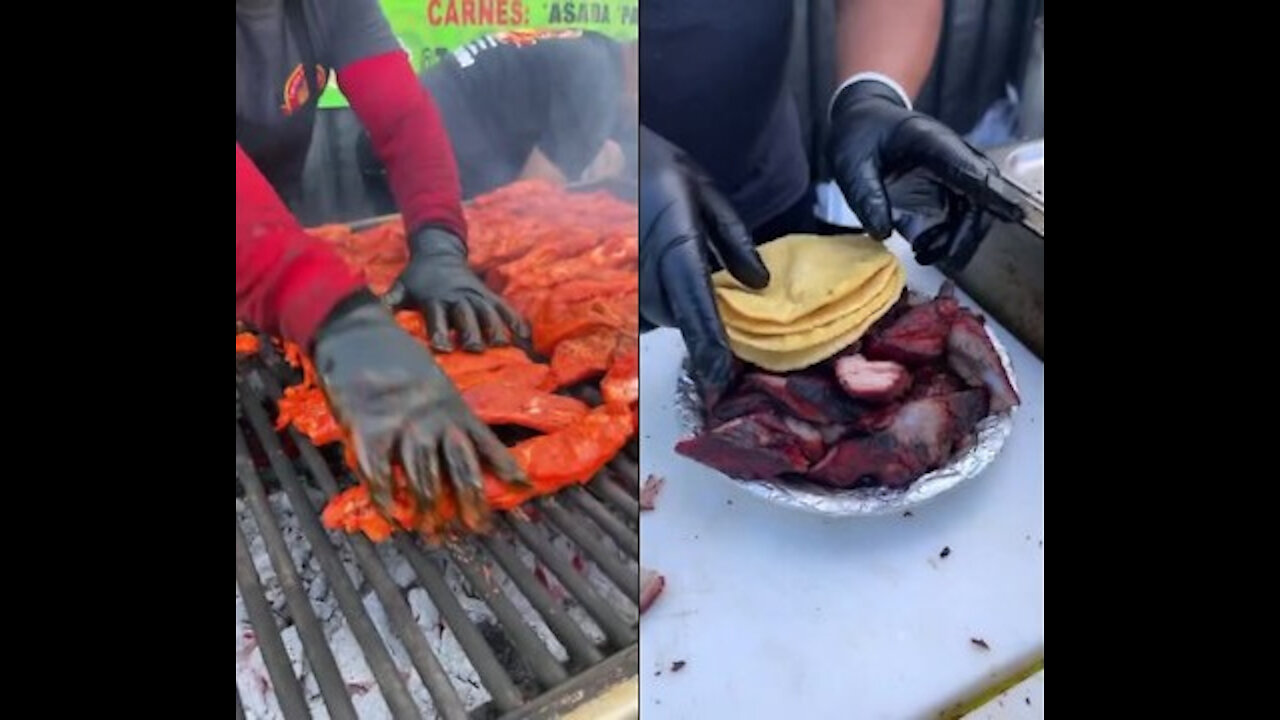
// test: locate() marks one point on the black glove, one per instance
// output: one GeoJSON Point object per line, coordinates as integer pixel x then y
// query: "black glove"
{"type": "Point", "coordinates": [388, 392]}
{"type": "Point", "coordinates": [902, 169]}
{"type": "Point", "coordinates": [438, 280]}
{"type": "Point", "coordinates": [681, 214]}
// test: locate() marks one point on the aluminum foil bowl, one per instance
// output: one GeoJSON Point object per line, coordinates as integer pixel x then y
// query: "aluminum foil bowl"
{"type": "Point", "coordinates": [989, 437]}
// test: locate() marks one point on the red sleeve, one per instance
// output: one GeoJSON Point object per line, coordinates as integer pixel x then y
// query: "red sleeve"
{"type": "Point", "coordinates": [286, 281]}
{"type": "Point", "coordinates": [410, 139]}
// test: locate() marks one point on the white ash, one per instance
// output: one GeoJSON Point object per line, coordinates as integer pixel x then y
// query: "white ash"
{"type": "Point", "coordinates": [626, 607]}
{"type": "Point", "coordinates": [527, 612]}
{"type": "Point", "coordinates": [598, 581]}
{"type": "Point", "coordinates": [254, 684]}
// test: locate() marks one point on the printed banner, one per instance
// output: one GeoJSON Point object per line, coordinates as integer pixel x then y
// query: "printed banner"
{"type": "Point", "coordinates": [430, 29]}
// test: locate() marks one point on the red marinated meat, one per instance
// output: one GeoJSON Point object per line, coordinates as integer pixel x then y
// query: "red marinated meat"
{"type": "Point", "coordinates": [872, 380]}
{"type": "Point", "coordinates": [247, 344]}
{"type": "Point", "coordinates": [583, 357]}
{"type": "Point", "coordinates": [748, 448]}
{"type": "Point", "coordinates": [457, 364]}
{"type": "Point", "coordinates": [500, 404]}
{"type": "Point", "coordinates": [557, 320]}
{"type": "Point", "coordinates": [531, 376]}
{"type": "Point", "coordinates": [308, 411]}
{"type": "Point", "coordinates": [973, 357]}
{"type": "Point", "coordinates": [920, 438]}
{"type": "Point", "coordinates": [915, 338]}
{"type": "Point", "coordinates": [571, 455]}
{"type": "Point", "coordinates": [621, 384]}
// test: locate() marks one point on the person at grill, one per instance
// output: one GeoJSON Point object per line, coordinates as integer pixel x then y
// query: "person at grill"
{"type": "Point", "coordinates": [384, 387]}
{"type": "Point", "coordinates": [524, 104]}
{"type": "Point", "coordinates": [723, 166]}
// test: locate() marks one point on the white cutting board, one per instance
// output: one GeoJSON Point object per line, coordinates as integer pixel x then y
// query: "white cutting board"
{"type": "Point", "coordinates": [782, 614]}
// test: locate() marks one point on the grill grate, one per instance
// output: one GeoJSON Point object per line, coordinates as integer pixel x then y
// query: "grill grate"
{"type": "Point", "coordinates": [587, 539]}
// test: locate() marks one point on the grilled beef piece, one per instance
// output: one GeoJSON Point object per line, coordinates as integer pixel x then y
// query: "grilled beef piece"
{"type": "Point", "coordinates": [775, 386]}
{"type": "Point", "coordinates": [919, 438]}
{"type": "Point", "coordinates": [875, 381]}
{"type": "Point", "coordinates": [916, 337]}
{"type": "Point", "coordinates": [807, 437]}
{"type": "Point", "coordinates": [934, 380]}
{"type": "Point", "coordinates": [751, 447]}
{"type": "Point", "coordinates": [824, 393]}
{"type": "Point", "coordinates": [735, 406]}
{"type": "Point", "coordinates": [972, 356]}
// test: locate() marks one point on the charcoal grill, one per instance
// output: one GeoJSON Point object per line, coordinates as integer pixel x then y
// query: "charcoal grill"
{"type": "Point", "coordinates": [559, 578]}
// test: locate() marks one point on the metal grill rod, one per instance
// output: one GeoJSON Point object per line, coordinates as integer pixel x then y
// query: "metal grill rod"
{"type": "Point", "coordinates": [408, 632]}
{"type": "Point", "coordinates": [617, 630]}
{"type": "Point", "coordinates": [615, 528]}
{"type": "Point", "coordinates": [332, 687]}
{"type": "Point", "coordinates": [582, 651]}
{"type": "Point", "coordinates": [626, 473]}
{"type": "Point", "coordinates": [466, 633]}
{"type": "Point", "coordinates": [376, 655]}
{"type": "Point", "coordinates": [495, 679]}
{"type": "Point", "coordinates": [603, 487]}
{"type": "Point", "coordinates": [535, 654]}
{"type": "Point", "coordinates": [293, 703]}
{"type": "Point", "coordinates": [628, 579]}
{"type": "Point", "coordinates": [406, 629]}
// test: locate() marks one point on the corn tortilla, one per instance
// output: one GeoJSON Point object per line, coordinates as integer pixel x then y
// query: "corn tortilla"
{"type": "Point", "coordinates": [821, 336]}
{"type": "Point", "coordinates": [854, 306]}
{"type": "Point", "coordinates": [807, 273]}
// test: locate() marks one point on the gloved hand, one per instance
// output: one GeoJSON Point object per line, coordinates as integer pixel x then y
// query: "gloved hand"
{"type": "Point", "coordinates": [388, 392]}
{"type": "Point", "coordinates": [439, 281]}
{"type": "Point", "coordinates": [681, 215]}
{"type": "Point", "coordinates": [902, 169]}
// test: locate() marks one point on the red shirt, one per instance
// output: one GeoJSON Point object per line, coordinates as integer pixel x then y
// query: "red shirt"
{"type": "Point", "coordinates": [286, 281]}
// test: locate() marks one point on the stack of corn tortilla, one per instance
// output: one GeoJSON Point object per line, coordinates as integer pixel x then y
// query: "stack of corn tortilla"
{"type": "Point", "coordinates": [824, 293]}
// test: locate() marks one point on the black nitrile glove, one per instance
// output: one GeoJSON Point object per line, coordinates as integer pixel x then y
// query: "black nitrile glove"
{"type": "Point", "coordinates": [396, 402]}
{"type": "Point", "coordinates": [681, 215]}
{"type": "Point", "coordinates": [902, 169]}
{"type": "Point", "coordinates": [438, 280]}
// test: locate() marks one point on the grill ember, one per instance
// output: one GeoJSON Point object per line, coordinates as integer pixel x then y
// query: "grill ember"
{"type": "Point", "coordinates": [568, 262]}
